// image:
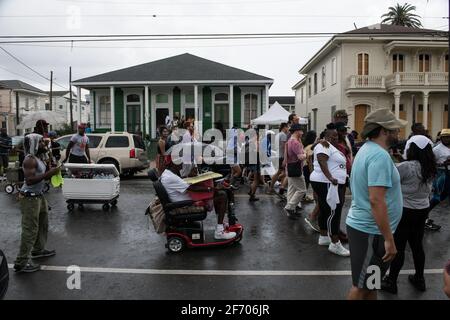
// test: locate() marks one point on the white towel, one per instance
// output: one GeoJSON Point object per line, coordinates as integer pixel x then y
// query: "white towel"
{"type": "Point", "coordinates": [333, 196]}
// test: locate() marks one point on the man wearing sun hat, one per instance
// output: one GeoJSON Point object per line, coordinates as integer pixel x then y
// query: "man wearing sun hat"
{"type": "Point", "coordinates": [377, 202]}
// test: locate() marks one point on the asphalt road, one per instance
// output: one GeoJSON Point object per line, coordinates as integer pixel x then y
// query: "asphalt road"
{"type": "Point", "coordinates": [125, 259]}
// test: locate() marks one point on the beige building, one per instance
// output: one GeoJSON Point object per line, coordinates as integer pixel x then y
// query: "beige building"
{"type": "Point", "coordinates": [396, 67]}
{"type": "Point", "coordinates": [18, 98]}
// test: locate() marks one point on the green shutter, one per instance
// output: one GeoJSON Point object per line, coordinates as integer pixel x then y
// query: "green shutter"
{"type": "Point", "coordinates": [207, 109]}
{"type": "Point", "coordinates": [176, 100]}
{"type": "Point", "coordinates": [95, 113]}
{"type": "Point", "coordinates": [237, 106]}
{"type": "Point", "coordinates": [118, 109]}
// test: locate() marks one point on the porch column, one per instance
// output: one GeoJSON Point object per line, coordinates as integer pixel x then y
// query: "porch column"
{"type": "Point", "coordinates": [79, 104]}
{"type": "Point", "coordinates": [113, 123]}
{"type": "Point", "coordinates": [397, 104]}
{"type": "Point", "coordinates": [231, 108]}
{"type": "Point", "coordinates": [147, 111]}
{"type": "Point", "coordinates": [197, 120]}
{"type": "Point", "coordinates": [425, 110]}
{"type": "Point", "coordinates": [141, 116]}
{"type": "Point", "coordinates": [267, 97]}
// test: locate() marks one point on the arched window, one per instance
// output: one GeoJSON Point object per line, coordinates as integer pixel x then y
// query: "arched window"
{"type": "Point", "coordinates": [133, 98]}
{"type": "Point", "coordinates": [250, 107]}
{"type": "Point", "coordinates": [162, 98]}
{"type": "Point", "coordinates": [398, 62]}
{"type": "Point", "coordinates": [323, 78]}
{"type": "Point", "coordinates": [315, 83]}
{"type": "Point", "coordinates": [104, 111]}
{"type": "Point", "coordinates": [363, 64]}
{"type": "Point", "coordinates": [424, 62]}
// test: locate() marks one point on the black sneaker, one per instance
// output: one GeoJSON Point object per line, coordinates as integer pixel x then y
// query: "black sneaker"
{"type": "Point", "coordinates": [27, 268]}
{"type": "Point", "coordinates": [253, 198]}
{"type": "Point", "coordinates": [389, 285]}
{"type": "Point", "coordinates": [43, 254]}
{"type": "Point", "coordinates": [418, 283]}
{"type": "Point", "coordinates": [430, 225]}
{"type": "Point", "coordinates": [291, 214]}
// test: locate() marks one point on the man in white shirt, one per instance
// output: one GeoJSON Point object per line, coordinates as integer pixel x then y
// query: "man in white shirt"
{"type": "Point", "coordinates": [177, 189]}
{"type": "Point", "coordinates": [441, 184]}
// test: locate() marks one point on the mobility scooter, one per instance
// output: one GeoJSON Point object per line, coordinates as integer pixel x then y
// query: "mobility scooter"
{"type": "Point", "coordinates": [184, 228]}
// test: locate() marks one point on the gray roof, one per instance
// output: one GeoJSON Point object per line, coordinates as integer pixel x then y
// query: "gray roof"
{"type": "Point", "coordinates": [387, 29]}
{"type": "Point", "coordinates": [18, 85]}
{"type": "Point", "coordinates": [60, 93]}
{"type": "Point", "coordinates": [184, 67]}
{"type": "Point", "coordinates": [282, 99]}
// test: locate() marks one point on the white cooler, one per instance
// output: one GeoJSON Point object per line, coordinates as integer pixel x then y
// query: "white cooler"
{"type": "Point", "coordinates": [78, 190]}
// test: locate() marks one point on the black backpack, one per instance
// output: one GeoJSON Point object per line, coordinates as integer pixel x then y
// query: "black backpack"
{"type": "Point", "coordinates": [4, 275]}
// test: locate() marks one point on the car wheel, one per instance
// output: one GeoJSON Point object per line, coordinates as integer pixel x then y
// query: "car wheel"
{"type": "Point", "coordinates": [108, 161]}
{"type": "Point", "coordinates": [70, 207]}
{"type": "Point", "coordinates": [105, 207]}
{"type": "Point", "coordinates": [114, 203]}
{"type": "Point", "coordinates": [9, 188]}
{"type": "Point", "coordinates": [175, 244]}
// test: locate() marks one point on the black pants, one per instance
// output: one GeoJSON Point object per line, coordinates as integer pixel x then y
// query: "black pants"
{"type": "Point", "coordinates": [329, 220]}
{"type": "Point", "coordinates": [410, 230]}
{"type": "Point", "coordinates": [77, 159]}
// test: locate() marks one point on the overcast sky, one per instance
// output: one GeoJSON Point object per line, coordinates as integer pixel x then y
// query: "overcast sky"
{"type": "Point", "coordinates": [279, 59]}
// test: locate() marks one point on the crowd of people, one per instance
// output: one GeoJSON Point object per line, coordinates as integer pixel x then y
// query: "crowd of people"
{"type": "Point", "coordinates": [394, 186]}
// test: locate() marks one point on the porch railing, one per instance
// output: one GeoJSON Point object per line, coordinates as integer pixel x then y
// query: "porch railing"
{"type": "Point", "coordinates": [417, 79]}
{"type": "Point", "coordinates": [366, 82]}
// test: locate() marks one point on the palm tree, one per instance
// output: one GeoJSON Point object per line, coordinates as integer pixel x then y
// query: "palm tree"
{"type": "Point", "coordinates": [402, 16]}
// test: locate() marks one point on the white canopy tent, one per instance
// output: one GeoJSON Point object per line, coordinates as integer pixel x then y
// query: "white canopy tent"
{"type": "Point", "coordinates": [275, 115]}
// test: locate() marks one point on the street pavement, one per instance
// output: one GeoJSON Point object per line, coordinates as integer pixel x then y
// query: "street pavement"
{"type": "Point", "coordinates": [123, 258]}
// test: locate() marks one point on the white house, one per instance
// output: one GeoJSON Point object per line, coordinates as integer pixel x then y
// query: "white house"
{"type": "Point", "coordinates": [388, 66]}
{"type": "Point", "coordinates": [61, 104]}
{"type": "Point", "coordinates": [16, 99]}
{"type": "Point", "coordinates": [138, 98]}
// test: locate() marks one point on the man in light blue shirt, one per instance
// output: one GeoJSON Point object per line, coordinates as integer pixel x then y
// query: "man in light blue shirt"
{"type": "Point", "coordinates": [377, 203]}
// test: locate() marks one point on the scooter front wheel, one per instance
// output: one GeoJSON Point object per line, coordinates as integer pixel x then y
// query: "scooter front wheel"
{"type": "Point", "coordinates": [175, 244]}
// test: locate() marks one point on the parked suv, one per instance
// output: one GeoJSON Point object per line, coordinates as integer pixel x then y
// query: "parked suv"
{"type": "Point", "coordinates": [125, 150]}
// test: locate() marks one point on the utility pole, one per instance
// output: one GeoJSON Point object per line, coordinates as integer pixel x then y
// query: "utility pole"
{"type": "Point", "coordinates": [51, 91]}
{"type": "Point", "coordinates": [70, 90]}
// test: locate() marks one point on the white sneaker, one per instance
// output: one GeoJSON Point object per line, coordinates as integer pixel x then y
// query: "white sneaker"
{"type": "Point", "coordinates": [339, 249]}
{"type": "Point", "coordinates": [224, 235]}
{"type": "Point", "coordinates": [324, 241]}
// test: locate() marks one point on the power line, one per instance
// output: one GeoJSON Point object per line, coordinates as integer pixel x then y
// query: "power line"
{"type": "Point", "coordinates": [154, 15]}
{"type": "Point", "coordinates": [28, 67]}
{"type": "Point", "coordinates": [22, 76]}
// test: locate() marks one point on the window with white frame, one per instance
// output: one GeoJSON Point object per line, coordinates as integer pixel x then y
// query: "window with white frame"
{"type": "Point", "coordinates": [315, 83]}
{"type": "Point", "coordinates": [250, 107]}
{"type": "Point", "coordinates": [363, 64]}
{"type": "Point", "coordinates": [424, 62]}
{"type": "Point", "coordinates": [104, 111]}
{"type": "Point", "coordinates": [323, 78]}
{"type": "Point", "coordinates": [398, 62]}
{"type": "Point", "coordinates": [309, 87]}
{"type": "Point", "coordinates": [333, 71]}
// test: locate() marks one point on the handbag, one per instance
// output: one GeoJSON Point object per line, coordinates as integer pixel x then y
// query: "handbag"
{"type": "Point", "coordinates": [294, 169]}
{"type": "Point", "coordinates": [156, 215]}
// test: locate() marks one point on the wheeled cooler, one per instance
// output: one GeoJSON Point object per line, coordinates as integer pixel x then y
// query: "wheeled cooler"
{"type": "Point", "coordinates": [91, 183]}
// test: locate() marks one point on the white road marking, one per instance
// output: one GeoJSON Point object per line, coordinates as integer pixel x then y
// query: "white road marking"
{"type": "Point", "coordinates": [220, 272]}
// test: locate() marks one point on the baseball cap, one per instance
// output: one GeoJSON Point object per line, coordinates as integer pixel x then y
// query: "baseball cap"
{"type": "Point", "coordinates": [381, 118]}
{"type": "Point", "coordinates": [445, 132]}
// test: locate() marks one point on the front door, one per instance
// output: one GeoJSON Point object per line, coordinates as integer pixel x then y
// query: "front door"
{"type": "Point", "coordinates": [221, 118]}
{"type": "Point", "coordinates": [161, 114]}
{"type": "Point", "coordinates": [189, 113]}
{"type": "Point", "coordinates": [361, 111]}
{"type": "Point", "coordinates": [133, 118]}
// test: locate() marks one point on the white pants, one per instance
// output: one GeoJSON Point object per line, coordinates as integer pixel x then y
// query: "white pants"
{"type": "Point", "coordinates": [296, 192]}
